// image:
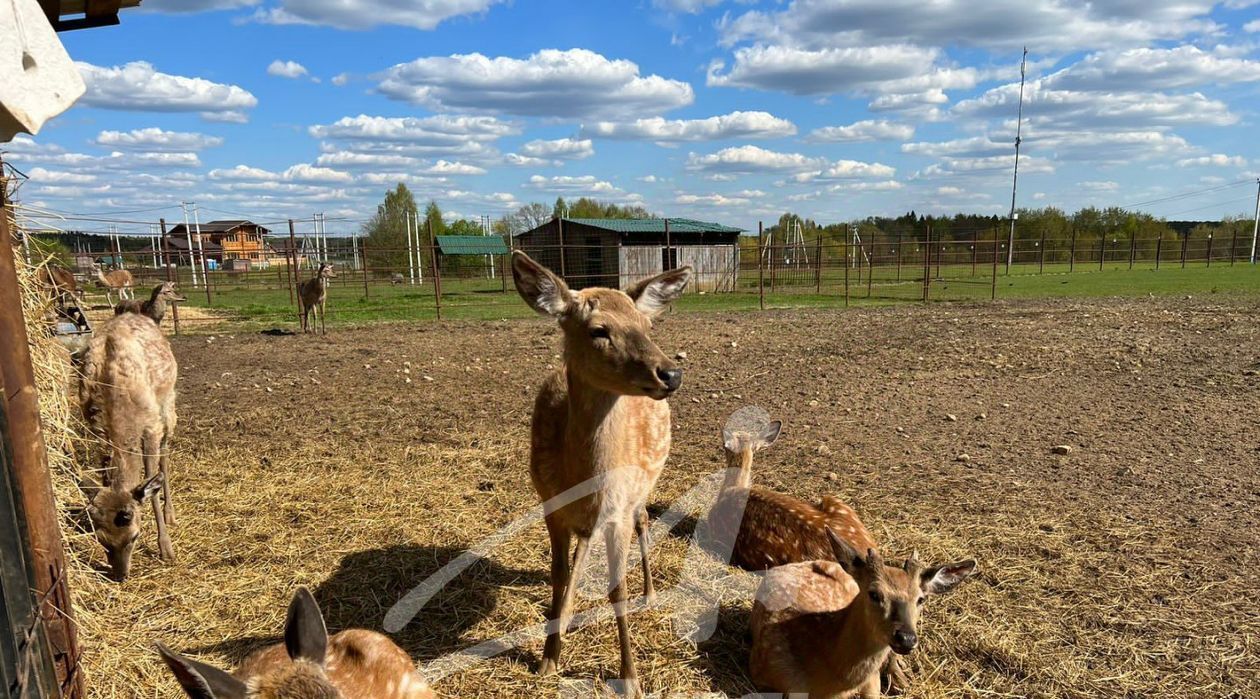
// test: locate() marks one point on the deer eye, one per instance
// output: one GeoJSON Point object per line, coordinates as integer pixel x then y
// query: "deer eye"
{"type": "Point", "coordinates": [600, 333]}
{"type": "Point", "coordinates": [921, 601]}
{"type": "Point", "coordinates": [876, 597]}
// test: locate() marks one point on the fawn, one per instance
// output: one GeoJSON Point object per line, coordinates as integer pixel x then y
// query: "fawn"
{"type": "Point", "coordinates": [604, 416]}
{"type": "Point", "coordinates": [313, 295]}
{"type": "Point", "coordinates": [127, 395]}
{"type": "Point", "coordinates": [353, 664]}
{"type": "Point", "coordinates": [824, 629]}
{"type": "Point", "coordinates": [163, 295]}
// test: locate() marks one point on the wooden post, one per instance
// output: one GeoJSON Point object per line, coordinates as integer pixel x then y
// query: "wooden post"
{"type": "Point", "coordinates": [993, 290]}
{"type": "Point", "coordinates": [847, 241]}
{"type": "Point", "coordinates": [560, 233]}
{"type": "Point", "coordinates": [898, 255]}
{"type": "Point", "coordinates": [1102, 251]}
{"type": "Point", "coordinates": [1041, 259]}
{"type": "Point", "coordinates": [29, 469]}
{"type": "Point", "coordinates": [669, 251]}
{"type": "Point", "coordinates": [818, 265]}
{"type": "Point", "coordinates": [975, 250]}
{"type": "Point", "coordinates": [1209, 250]}
{"type": "Point", "coordinates": [437, 270]}
{"type": "Point", "coordinates": [1159, 248]}
{"type": "Point", "coordinates": [1185, 243]}
{"type": "Point", "coordinates": [1132, 246]}
{"type": "Point", "coordinates": [363, 251]}
{"type": "Point", "coordinates": [166, 262]}
{"type": "Point", "coordinates": [761, 260]}
{"type": "Point", "coordinates": [1072, 252]}
{"type": "Point", "coordinates": [293, 252]}
{"type": "Point", "coordinates": [870, 268]}
{"type": "Point", "coordinates": [927, 265]}
{"type": "Point", "coordinates": [1233, 243]}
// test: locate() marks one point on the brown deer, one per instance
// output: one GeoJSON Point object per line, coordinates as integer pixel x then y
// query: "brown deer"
{"type": "Point", "coordinates": [313, 294]}
{"type": "Point", "coordinates": [824, 629]}
{"type": "Point", "coordinates": [353, 664]}
{"type": "Point", "coordinates": [59, 282]}
{"type": "Point", "coordinates": [163, 295]}
{"type": "Point", "coordinates": [127, 395]}
{"type": "Point", "coordinates": [602, 418]}
{"type": "Point", "coordinates": [119, 280]}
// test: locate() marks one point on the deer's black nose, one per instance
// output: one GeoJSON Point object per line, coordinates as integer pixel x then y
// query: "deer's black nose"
{"type": "Point", "coordinates": [904, 641]}
{"type": "Point", "coordinates": [672, 378]}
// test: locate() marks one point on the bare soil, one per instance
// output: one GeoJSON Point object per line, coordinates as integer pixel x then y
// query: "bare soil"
{"type": "Point", "coordinates": [360, 463]}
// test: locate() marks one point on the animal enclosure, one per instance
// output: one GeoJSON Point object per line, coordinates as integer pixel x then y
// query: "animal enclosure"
{"type": "Point", "coordinates": [362, 463]}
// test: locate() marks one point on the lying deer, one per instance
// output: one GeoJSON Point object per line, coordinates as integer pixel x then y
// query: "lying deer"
{"type": "Point", "coordinates": [313, 295]}
{"type": "Point", "coordinates": [127, 396]}
{"type": "Point", "coordinates": [59, 282]}
{"type": "Point", "coordinates": [600, 418]}
{"type": "Point", "coordinates": [119, 280]}
{"type": "Point", "coordinates": [824, 629]}
{"type": "Point", "coordinates": [155, 308]}
{"type": "Point", "coordinates": [353, 664]}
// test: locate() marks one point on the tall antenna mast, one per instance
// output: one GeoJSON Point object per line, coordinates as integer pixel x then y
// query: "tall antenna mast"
{"type": "Point", "coordinates": [1019, 124]}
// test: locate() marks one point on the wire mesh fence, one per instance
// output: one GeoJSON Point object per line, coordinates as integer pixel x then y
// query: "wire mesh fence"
{"type": "Point", "coordinates": [421, 282]}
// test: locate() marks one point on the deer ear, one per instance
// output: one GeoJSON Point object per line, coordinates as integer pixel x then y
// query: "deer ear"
{"type": "Point", "coordinates": [201, 681]}
{"type": "Point", "coordinates": [653, 294]}
{"type": "Point", "coordinates": [942, 579]}
{"type": "Point", "coordinates": [846, 555]}
{"type": "Point", "coordinates": [730, 439]}
{"type": "Point", "coordinates": [769, 434]}
{"type": "Point", "coordinates": [147, 489]}
{"type": "Point", "coordinates": [305, 636]}
{"type": "Point", "coordinates": [90, 487]}
{"type": "Point", "coordinates": [540, 287]}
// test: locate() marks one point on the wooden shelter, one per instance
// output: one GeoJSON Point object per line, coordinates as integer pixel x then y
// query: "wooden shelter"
{"type": "Point", "coordinates": [65, 15]}
{"type": "Point", "coordinates": [224, 241]}
{"type": "Point", "coordinates": [615, 252]}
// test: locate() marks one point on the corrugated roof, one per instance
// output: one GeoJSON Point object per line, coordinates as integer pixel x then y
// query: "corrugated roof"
{"type": "Point", "coordinates": [472, 245]}
{"type": "Point", "coordinates": [655, 225]}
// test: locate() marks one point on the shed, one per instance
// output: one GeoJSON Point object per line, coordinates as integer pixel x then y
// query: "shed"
{"type": "Point", "coordinates": [616, 252]}
{"type": "Point", "coordinates": [474, 253]}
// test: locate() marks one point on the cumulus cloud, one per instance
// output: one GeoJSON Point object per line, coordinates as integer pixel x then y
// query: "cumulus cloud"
{"type": "Point", "coordinates": [690, 7]}
{"type": "Point", "coordinates": [747, 159]}
{"type": "Point", "coordinates": [1009, 24]}
{"type": "Point", "coordinates": [300, 173]}
{"type": "Point", "coordinates": [190, 6]}
{"type": "Point", "coordinates": [44, 176]}
{"type": "Point", "coordinates": [823, 71]}
{"type": "Point", "coordinates": [974, 146]}
{"type": "Point", "coordinates": [340, 79]}
{"type": "Point", "coordinates": [562, 148]}
{"type": "Point", "coordinates": [518, 160]}
{"type": "Point", "coordinates": [286, 69]}
{"type": "Point", "coordinates": [446, 167]}
{"type": "Point", "coordinates": [1214, 160]}
{"type": "Point", "coordinates": [1154, 69]}
{"type": "Point", "coordinates": [986, 166]}
{"type": "Point", "coordinates": [659, 129]}
{"type": "Point", "coordinates": [156, 139]}
{"type": "Point", "coordinates": [444, 129]}
{"type": "Point", "coordinates": [860, 131]}
{"type": "Point", "coordinates": [1084, 109]}
{"type": "Point", "coordinates": [846, 170]}
{"type": "Point", "coordinates": [711, 200]}
{"type": "Point", "coordinates": [365, 14]}
{"type": "Point", "coordinates": [138, 86]}
{"type": "Point", "coordinates": [351, 159]}
{"type": "Point", "coordinates": [1099, 185]}
{"type": "Point", "coordinates": [576, 83]}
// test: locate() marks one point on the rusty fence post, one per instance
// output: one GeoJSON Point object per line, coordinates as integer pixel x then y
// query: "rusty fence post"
{"type": "Point", "coordinates": [437, 270]}
{"type": "Point", "coordinates": [1102, 251]}
{"type": "Point", "coordinates": [975, 250]}
{"type": "Point", "coordinates": [1159, 248]}
{"type": "Point", "coordinates": [1185, 243]}
{"type": "Point", "coordinates": [166, 262]}
{"type": "Point", "coordinates": [1072, 252]}
{"type": "Point", "coordinates": [29, 469]}
{"type": "Point", "coordinates": [1041, 258]}
{"type": "Point", "coordinates": [363, 251]}
{"type": "Point", "coordinates": [870, 268]}
{"type": "Point", "coordinates": [293, 254]}
{"type": "Point", "coordinates": [818, 253]}
{"type": "Point", "coordinates": [1132, 246]}
{"type": "Point", "coordinates": [993, 290]}
{"type": "Point", "coordinates": [1209, 250]}
{"type": "Point", "coordinates": [927, 265]}
{"type": "Point", "coordinates": [1233, 243]}
{"type": "Point", "coordinates": [898, 243]}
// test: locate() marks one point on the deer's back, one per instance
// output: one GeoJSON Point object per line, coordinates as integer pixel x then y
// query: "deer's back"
{"type": "Point", "coordinates": [779, 529]}
{"type": "Point", "coordinates": [362, 664]}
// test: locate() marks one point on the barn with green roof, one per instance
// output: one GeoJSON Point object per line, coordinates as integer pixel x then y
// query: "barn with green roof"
{"type": "Point", "coordinates": [615, 252]}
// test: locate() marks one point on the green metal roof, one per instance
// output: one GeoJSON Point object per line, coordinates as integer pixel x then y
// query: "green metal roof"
{"type": "Point", "coordinates": [472, 245]}
{"type": "Point", "coordinates": [655, 225]}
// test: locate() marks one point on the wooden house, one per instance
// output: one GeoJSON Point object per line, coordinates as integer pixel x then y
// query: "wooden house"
{"type": "Point", "coordinates": [225, 241]}
{"type": "Point", "coordinates": [615, 252]}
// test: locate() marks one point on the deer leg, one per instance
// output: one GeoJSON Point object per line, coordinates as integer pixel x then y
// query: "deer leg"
{"type": "Point", "coordinates": [165, 467]}
{"type": "Point", "coordinates": [560, 571]}
{"type": "Point", "coordinates": [618, 541]}
{"type": "Point", "coordinates": [150, 445]}
{"type": "Point", "coordinates": [642, 530]}
{"type": "Point", "coordinates": [892, 676]}
{"type": "Point", "coordinates": [323, 314]}
{"type": "Point", "coordinates": [551, 652]}
{"type": "Point", "coordinates": [109, 297]}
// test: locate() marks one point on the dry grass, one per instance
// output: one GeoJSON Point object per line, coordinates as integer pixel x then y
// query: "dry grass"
{"type": "Point", "coordinates": [1114, 573]}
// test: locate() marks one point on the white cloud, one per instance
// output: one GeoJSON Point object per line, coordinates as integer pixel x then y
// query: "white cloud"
{"type": "Point", "coordinates": [576, 83]}
{"type": "Point", "coordinates": [973, 146]}
{"type": "Point", "coordinates": [228, 117]}
{"type": "Point", "coordinates": [286, 69]}
{"type": "Point", "coordinates": [41, 176]}
{"type": "Point", "coordinates": [752, 159]}
{"type": "Point", "coordinates": [733, 125]}
{"type": "Point", "coordinates": [446, 167]}
{"type": "Point", "coordinates": [310, 173]}
{"type": "Point", "coordinates": [1153, 69]}
{"type": "Point", "coordinates": [138, 86]}
{"type": "Point", "coordinates": [711, 200]}
{"type": "Point", "coordinates": [1086, 110]}
{"type": "Point", "coordinates": [1099, 186]}
{"type": "Point", "coordinates": [300, 173]}
{"type": "Point", "coordinates": [518, 160]}
{"type": "Point", "coordinates": [1214, 160]}
{"type": "Point", "coordinates": [583, 185]}
{"type": "Point", "coordinates": [341, 79]}
{"type": "Point", "coordinates": [563, 148]}
{"type": "Point", "coordinates": [434, 130]}
{"type": "Point", "coordinates": [365, 14]}
{"type": "Point", "coordinates": [846, 170]}
{"type": "Point", "coordinates": [986, 166]}
{"type": "Point", "coordinates": [1051, 25]}
{"type": "Point", "coordinates": [243, 172]}
{"type": "Point", "coordinates": [690, 7]}
{"type": "Point", "coordinates": [650, 179]}
{"type": "Point", "coordinates": [352, 159]}
{"type": "Point", "coordinates": [825, 71]}
{"type": "Point", "coordinates": [155, 139]}
{"type": "Point", "coordinates": [860, 131]}
{"type": "Point", "coordinates": [1253, 26]}
{"type": "Point", "coordinates": [190, 6]}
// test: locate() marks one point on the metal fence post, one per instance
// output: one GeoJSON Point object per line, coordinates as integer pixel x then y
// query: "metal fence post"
{"type": "Point", "coordinates": [1102, 251]}
{"type": "Point", "coordinates": [993, 291]}
{"type": "Point", "coordinates": [1159, 248]}
{"type": "Point", "coordinates": [1132, 246]}
{"type": "Point", "coordinates": [870, 268]}
{"type": "Point", "coordinates": [846, 271]}
{"type": "Point", "coordinates": [1041, 258]}
{"type": "Point", "coordinates": [293, 254]}
{"type": "Point", "coordinates": [818, 252]}
{"type": "Point", "coordinates": [1072, 252]}
{"type": "Point", "coordinates": [1209, 250]}
{"type": "Point", "coordinates": [1233, 242]}
{"type": "Point", "coordinates": [927, 265]}
{"type": "Point", "coordinates": [761, 265]}
{"type": "Point", "coordinates": [166, 262]}
{"type": "Point", "coordinates": [437, 270]}
{"type": "Point", "coordinates": [975, 250]}
{"type": "Point", "coordinates": [363, 252]}
{"type": "Point", "coordinates": [1185, 243]}
{"type": "Point", "coordinates": [898, 255]}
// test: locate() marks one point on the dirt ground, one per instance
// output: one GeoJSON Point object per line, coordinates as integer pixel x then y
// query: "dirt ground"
{"type": "Point", "coordinates": [360, 463]}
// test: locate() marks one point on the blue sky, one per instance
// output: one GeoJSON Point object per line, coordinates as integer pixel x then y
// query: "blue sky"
{"type": "Point", "coordinates": [733, 111]}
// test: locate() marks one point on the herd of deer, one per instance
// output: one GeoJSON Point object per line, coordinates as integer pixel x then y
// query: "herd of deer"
{"type": "Point", "coordinates": [829, 618]}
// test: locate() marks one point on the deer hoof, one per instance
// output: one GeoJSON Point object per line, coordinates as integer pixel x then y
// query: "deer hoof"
{"type": "Point", "coordinates": [548, 667]}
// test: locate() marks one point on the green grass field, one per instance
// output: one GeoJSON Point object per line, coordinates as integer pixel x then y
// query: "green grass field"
{"type": "Point", "coordinates": [243, 300]}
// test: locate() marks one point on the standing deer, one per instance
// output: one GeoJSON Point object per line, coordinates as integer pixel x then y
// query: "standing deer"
{"type": "Point", "coordinates": [115, 280]}
{"type": "Point", "coordinates": [603, 416]}
{"type": "Point", "coordinates": [353, 664]}
{"type": "Point", "coordinates": [312, 295]}
{"type": "Point", "coordinates": [824, 629]}
{"type": "Point", "coordinates": [163, 295]}
{"type": "Point", "coordinates": [59, 282]}
{"type": "Point", "coordinates": [127, 395]}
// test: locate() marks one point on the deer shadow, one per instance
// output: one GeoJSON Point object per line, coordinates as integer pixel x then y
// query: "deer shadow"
{"type": "Point", "coordinates": [366, 584]}
{"type": "Point", "coordinates": [724, 655]}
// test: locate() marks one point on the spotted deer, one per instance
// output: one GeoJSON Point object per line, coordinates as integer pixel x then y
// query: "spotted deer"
{"type": "Point", "coordinates": [313, 295]}
{"type": "Point", "coordinates": [127, 395]}
{"type": "Point", "coordinates": [601, 418]}
{"type": "Point", "coordinates": [119, 280]}
{"type": "Point", "coordinates": [353, 664]}
{"type": "Point", "coordinates": [155, 308]}
{"type": "Point", "coordinates": [824, 629]}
